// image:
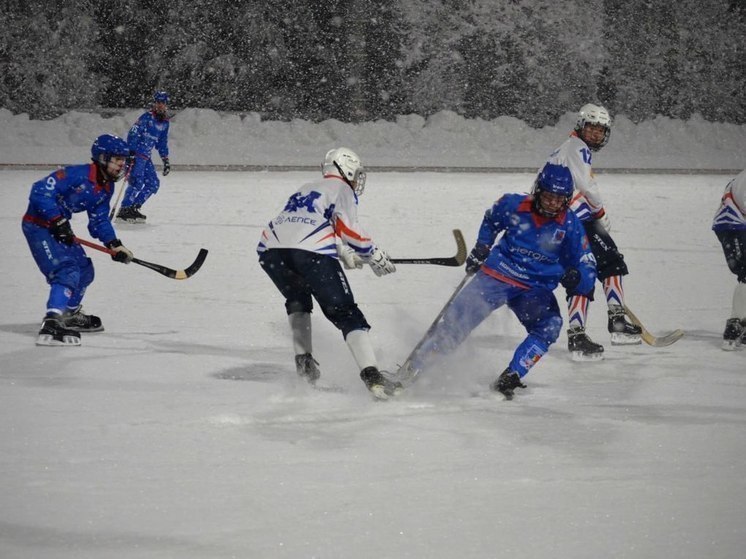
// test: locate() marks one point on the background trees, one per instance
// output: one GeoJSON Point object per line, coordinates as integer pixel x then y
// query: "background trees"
{"type": "Point", "coordinates": [366, 59]}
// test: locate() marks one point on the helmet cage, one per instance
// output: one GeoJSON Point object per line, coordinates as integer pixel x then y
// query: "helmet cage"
{"type": "Point", "coordinates": [104, 148]}
{"type": "Point", "coordinates": [347, 164]}
{"type": "Point", "coordinates": [160, 104]}
{"type": "Point", "coordinates": [597, 116]}
{"type": "Point", "coordinates": [553, 179]}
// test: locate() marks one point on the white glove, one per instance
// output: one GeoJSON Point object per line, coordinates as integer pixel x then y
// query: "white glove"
{"type": "Point", "coordinates": [350, 259]}
{"type": "Point", "coordinates": [120, 253]}
{"type": "Point", "coordinates": [603, 219]}
{"type": "Point", "coordinates": [380, 263]}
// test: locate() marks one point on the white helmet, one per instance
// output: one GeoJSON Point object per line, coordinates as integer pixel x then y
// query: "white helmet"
{"type": "Point", "coordinates": [594, 114]}
{"type": "Point", "coordinates": [345, 162]}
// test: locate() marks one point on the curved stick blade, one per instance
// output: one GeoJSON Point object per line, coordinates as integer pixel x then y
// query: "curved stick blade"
{"type": "Point", "coordinates": [193, 267]}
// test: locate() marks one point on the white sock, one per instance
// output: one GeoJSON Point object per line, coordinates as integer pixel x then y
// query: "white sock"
{"type": "Point", "coordinates": [362, 350]}
{"type": "Point", "coordinates": [739, 302]}
{"type": "Point", "coordinates": [300, 324]}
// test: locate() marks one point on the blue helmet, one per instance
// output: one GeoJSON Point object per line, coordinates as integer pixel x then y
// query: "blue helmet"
{"type": "Point", "coordinates": [160, 97]}
{"type": "Point", "coordinates": [104, 148]}
{"type": "Point", "coordinates": [108, 145]}
{"type": "Point", "coordinates": [554, 179]}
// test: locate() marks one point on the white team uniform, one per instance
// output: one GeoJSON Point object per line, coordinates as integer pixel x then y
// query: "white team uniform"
{"type": "Point", "coordinates": [731, 214]}
{"type": "Point", "coordinates": [313, 218]}
{"type": "Point", "coordinates": [576, 155]}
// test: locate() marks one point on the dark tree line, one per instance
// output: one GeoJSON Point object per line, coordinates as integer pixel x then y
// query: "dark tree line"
{"type": "Point", "coordinates": [374, 59]}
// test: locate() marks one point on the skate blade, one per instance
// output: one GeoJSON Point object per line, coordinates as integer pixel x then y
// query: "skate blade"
{"type": "Point", "coordinates": [87, 330]}
{"type": "Point", "coordinates": [579, 356]}
{"type": "Point", "coordinates": [129, 221]}
{"type": "Point", "coordinates": [730, 345]}
{"type": "Point", "coordinates": [49, 340]}
{"type": "Point", "coordinates": [619, 338]}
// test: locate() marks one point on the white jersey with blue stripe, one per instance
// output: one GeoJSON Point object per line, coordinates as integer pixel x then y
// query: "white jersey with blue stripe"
{"type": "Point", "coordinates": [314, 217]}
{"type": "Point", "coordinates": [731, 214]}
{"type": "Point", "coordinates": [576, 156]}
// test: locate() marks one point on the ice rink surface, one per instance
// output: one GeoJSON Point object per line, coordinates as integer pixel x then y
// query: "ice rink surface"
{"type": "Point", "coordinates": [182, 431]}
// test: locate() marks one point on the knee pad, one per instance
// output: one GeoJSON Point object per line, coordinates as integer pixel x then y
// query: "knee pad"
{"type": "Point", "coordinates": [570, 294]}
{"type": "Point", "coordinates": [67, 275]}
{"type": "Point", "coordinates": [612, 264]}
{"type": "Point", "coordinates": [87, 274]}
{"type": "Point", "coordinates": [347, 318]}
{"type": "Point", "coordinates": [548, 330]}
{"type": "Point", "coordinates": [738, 267]}
{"type": "Point", "coordinates": [299, 306]}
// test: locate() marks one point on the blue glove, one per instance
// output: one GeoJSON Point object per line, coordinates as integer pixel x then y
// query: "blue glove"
{"type": "Point", "coordinates": [570, 279]}
{"type": "Point", "coordinates": [476, 258]}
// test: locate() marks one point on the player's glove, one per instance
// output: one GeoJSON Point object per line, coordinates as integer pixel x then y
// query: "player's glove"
{"type": "Point", "coordinates": [350, 259]}
{"type": "Point", "coordinates": [604, 220]}
{"type": "Point", "coordinates": [166, 166]}
{"type": "Point", "coordinates": [380, 263]}
{"type": "Point", "coordinates": [570, 279]}
{"type": "Point", "coordinates": [476, 258]}
{"type": "Point", "coordinates": [121, 252]}
{"type": "Point", "coordinates": [61, 230]}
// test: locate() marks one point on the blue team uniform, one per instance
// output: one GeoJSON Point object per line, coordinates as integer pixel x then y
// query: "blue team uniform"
{"type": "Point", "coordinates": [69, 190]}
{"type": "Point", "coordinates": [522, 270]}
{"type": "Point", "coordinates": [150, 131]}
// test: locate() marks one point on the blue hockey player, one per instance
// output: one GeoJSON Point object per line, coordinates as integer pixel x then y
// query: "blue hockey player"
{"type": "Point", "coordinates": [150, 131]}
{"type": "Point", "coordinates": [542, 244]}
{"type": "Point", "coordinates": [46, 225]}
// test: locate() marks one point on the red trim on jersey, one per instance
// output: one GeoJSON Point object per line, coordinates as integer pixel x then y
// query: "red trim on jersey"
{"type": "Point", "coordinates": [341, 227]}
{"type": "Point", "coordinates": [505, 279]}
{"type": "Point", "coordinates": [527, 206]}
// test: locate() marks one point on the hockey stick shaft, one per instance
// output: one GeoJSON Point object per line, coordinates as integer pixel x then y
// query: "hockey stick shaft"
{"type": "Point", "coordinates": [163, 270]}
{"type": "Point", "coordinates": [650, 339]}
{"type": "Point", "coordinates": [121, 191]}
{"type": "Point", "coordinates": [456, 260]}
{"type": "Point", "coordinates": [412, 375]}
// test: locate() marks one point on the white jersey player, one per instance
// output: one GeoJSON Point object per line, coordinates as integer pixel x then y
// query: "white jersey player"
{"type": "Point", "coordinates": [729, 225]}
{"type": "Point", "coordinates": [591, 133]}
{"type": "Point", "coordinates": [300, 250]}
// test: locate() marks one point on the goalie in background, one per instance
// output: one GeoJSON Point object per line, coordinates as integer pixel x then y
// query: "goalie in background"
{"type": "Point", "coordinates": [591, 133]}
{"type": "Point", "coordinates": [150, 131]}
{"type": "Point", "coordinates": [301, 249]}
{"type": "Point", "coordinates": [729, 225]}
{"type": "Point", "coordinates": [46, 226]}
{"type": "Point", "coordinates": [542, 245]}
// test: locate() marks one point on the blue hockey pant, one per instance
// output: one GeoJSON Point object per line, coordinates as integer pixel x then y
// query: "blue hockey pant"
{"type": "Point", "coordinates": [67, 268]}
{"type": "Point", "coordinates": [302, 276]}
{"type": "Point", "coordinates": [536, 309]}
{"type": "Point", "coordinates": [142, 183]}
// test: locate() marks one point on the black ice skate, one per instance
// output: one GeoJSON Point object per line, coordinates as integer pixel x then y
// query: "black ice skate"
{"type": "Point", "coordinates": [506, 383]}
{"type": "Point", "coordinates": [380, 386]}
{"type": "Point", "coordinates": [80, 322]}
{"type": "Point", "coordinates": [622, 331]}
{"type": "Point", "coordinates": [581, 347]}
{"type": "Point", "coordinates": [130, 214]}
{"type": "Point", "coordinates": [54, 333]}
{"type": "Point", "coordinates": [734, 334]}
{"type": "Point", "coordinates": [307, 367]}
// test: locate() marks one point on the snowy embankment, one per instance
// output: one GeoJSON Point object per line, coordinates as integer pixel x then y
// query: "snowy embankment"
{"type": "Point", "coordinates": [202, 137]}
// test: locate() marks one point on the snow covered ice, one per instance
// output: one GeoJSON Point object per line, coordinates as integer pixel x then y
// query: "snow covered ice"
{"type": "Point", "coordinates": [182, 430]}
